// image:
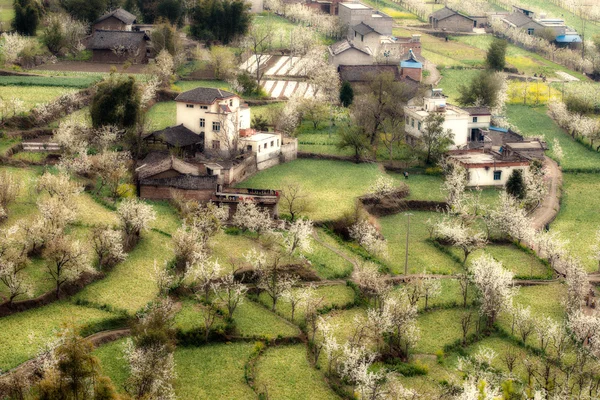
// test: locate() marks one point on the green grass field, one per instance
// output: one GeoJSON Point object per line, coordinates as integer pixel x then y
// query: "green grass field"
{"type": "Point", "coordinates": [578, 219]}
{"type": "Point", "coordinates": [284, 372]}
{"type": "Point", "coordinates": [331, 186]}
{"type": "Point", "coordinates": [254, 320]}
{"type": "Point", "coordinates": [32, 95]}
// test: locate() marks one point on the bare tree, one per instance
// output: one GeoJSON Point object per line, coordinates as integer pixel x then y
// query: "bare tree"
{"type": "Point", "coordinates": [259, 41]}
{"type": "Point", "coordinates": [465, 324]}
{"type": "Point", "coordinates": [295, 200]}
{"type": "Point", "coordinates": [67, 260]}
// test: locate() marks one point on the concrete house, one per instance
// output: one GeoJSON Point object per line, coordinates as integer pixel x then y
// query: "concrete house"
{"type": "Point", "coordinates": [369, 38]}
{"type": "Point", "coordinates": [522, 21]}
{"type": "Point", "coordinates": [447, 19]}
{"type": "Point", "coordinates": [563, 35]}
{"type": "Point", "coordinates": [116, 20]}
{"type": "Point", "coordinates": [119, 46]}
{"type": "Point", "coordinates": [455, 118]}
{"type": "Point", "coordinates": [487, 168]}
{"type": "Point", "coordinates": [214, 114]}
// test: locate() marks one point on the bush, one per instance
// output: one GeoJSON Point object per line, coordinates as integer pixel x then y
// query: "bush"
{"type": "Point", "coordinates": [434, 171]}
{"type": "Point", "coordinates": [408, 370]}
{"type": "Point", "coordinates": [126, 190]}
{"type": "Point", "coordinates": [116, 102]}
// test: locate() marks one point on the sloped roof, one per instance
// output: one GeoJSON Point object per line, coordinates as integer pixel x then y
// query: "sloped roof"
{"type": "Point", "coordinates": [568, 39]}
{"type": "Point", "coordinates": [204, 95]}
{"type": "Point", "coordinates": [342, 46]}
{"type": "Point", "coordinates": [518, 19]}
{"type": "Point", "coordinates": [412, 61]}
{"type": "Point", "coordinates": [122, 15]}
{"type": "Point", "coordinates": [158, 162]}
{"type": "Point", "coordinates": [363, 29]}
{"type": "Point", "coordinates": [477, 110]}
{"type": "Point", "coordinates": [445, 13]}
{"type": "Point", "coordinates": [108, 40]}
{"type": "Point", "coordinates": [178, 136]}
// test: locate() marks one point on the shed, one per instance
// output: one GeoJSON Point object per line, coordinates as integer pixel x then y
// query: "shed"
{"type": "Point", "coordinates": [448, 19]}
{"type": "Point", "coordinates": [178, 137]}
{"type": "Point", "coordinates": [119, 46]}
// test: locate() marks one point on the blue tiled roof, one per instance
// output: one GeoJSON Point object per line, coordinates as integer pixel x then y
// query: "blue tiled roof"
{"type": "Point", "coordinates": [411, 64]}
{"type": "Point", "coordinates": [497, 129]}
{"type": "Point", "coordinates": [568, 39]}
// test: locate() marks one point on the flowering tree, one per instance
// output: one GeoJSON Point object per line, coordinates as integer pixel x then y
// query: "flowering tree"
{"type": "Point", "coordinates": [111, 167]}
{"type": "Point", "coordinates": [66, 261]}
{"type": "Point", "coordinates": [188, 246]}
{"type": "Point", "coordinates": [135, 217]}
{"type": "Point", "coordinates": [298, 237]}
{"type": "Point", "coordinates": [536, 187]}
{"type": "Point", "coordinates": [9, 190]}
{"type": "Point", "coordinates": [383, 186]}
{"type": "Point", "coordinates": [495, 287]}
{"type": "Point", "coordinates": [524, 322]}
{"type": "Point", "coordinates": [108, 246]}
{"type": "Point", "coordinates": [367, 236]}
{"type": "Point", "coordinates": [510, 219]}
{"type": "Point", "coordinates": [557, 150]}
{"type": "Point", "coordinates": [455, 185]}
{"type": "Point", "coordinates": [150, 353]}
{"type": "Point", "coordinates": [272, 276]}
{"type": "Point", "coordinates": [12, 263]}
{"type": "Point", "coordinates": [231, 293]}
{"type": "Point", "coordinates": [250, 217]}
{"type": "Point", "coordinates": [577, 282]}
{"type": "Point", "coordinates": [11, 45]}
{"type": "Point", "coordinates": [60, 186]}
{"type": "Point", "coordinates": [458, 234]}
{"type": "Point", "coordinates": [403, 329]}
{"type": "Point", "coordinates": [370, 281]}
{"type": "Point", "coordinates": [203, 274]}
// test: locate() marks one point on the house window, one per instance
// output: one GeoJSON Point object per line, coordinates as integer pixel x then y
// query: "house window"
{"type": "Point", "coordinates": [530, 31]}
{"type": "Point", "coordinates": [497, 175]}
{"type": "Point", "coordinates": [216, 145]}
{"type": "Point", "coordinates": [412, 122]}
{"type": "Point", "coordinates": [249, 147]}
{"type": "Point", "coordinates": [202, 122]}
{"type": "Point", "coordinates": [189, 105]}
{"type": "Point", "coordinates": [474, 119]}
{"type": "Point", "coordinates": [362, 38]}
{"type": "Point", "coordinates": [272, 143]}
{"type": "Point", "coordinates": [216, 126]}
{"type": "Point", "coordinates": [204, 107]}
{"type": "Point", "coordinates": [355, 33]}
{"type": "Point", "coordinates": [419, 125]}
{"type": "Point", "coordinates": [265, 145]}
{"type": "Point", "coordinates": [230, 103]}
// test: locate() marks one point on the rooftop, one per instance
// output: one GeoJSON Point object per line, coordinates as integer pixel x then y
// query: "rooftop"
{"type": "Point", "coordinates": [363, 29]}
{"type": "Point", "coordinates": [258, 137]}
{"type": "Point", "coordinates": [158, 162]}
{"type": "Point", "coordinates": [518, 19]}
{"type": "Point", "coordinates": [342, 46]}
{"type": "Point", "coordinates": [124, 16]}
{"type": "Point", "coordinates": [204, 95]}
{"type": "Point", "coordinates": [177, 136]}
{"type": "Point", "coordinates": [355, 6]}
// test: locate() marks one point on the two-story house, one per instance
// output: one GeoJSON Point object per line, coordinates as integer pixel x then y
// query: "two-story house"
{"type": "Point", "coordinates": [214, 114]}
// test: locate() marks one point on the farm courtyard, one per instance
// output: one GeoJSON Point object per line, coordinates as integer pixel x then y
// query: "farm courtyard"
{"type": "Point", "coordinates": [342, 257]}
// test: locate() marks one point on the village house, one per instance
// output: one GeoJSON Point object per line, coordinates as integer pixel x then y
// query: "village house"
{"type": "Point", "coordinates": [221, 122]}
{"type": "Point", "coordinates": [447, 19]}
{"type": "Point", "coordinates": [409, 71]}
{"type": "Point", "coordinates": [498, 151]}
{"type": "Point", "coordinates": [178, 138]}
{"type": "Point", "coordinates": [554, 29]}
{"type": "Point", "coordinates": [116, 20]}
{"type": "Point", "coordinates": [464, 123]}
{"type": "Point", "coordinates": [369, 38]}
{"type": "Point", "coordinates": [119, 47]}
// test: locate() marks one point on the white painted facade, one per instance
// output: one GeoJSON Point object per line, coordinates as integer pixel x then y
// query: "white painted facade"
{"type": "Point", "coordinates": [490, 176]}
{"type": "Point", "coordinates": [487, 168]}
{"type": "Point", "coordinates": [265, 145]}
{"type": "Point", "coordinates": [227, 115]}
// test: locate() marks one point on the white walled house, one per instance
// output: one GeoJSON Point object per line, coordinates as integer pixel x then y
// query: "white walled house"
{"type": "Point", "coordinates": [466, 124]}
{"type": "Point", "coordinates": [212, 114]}
{"type": "Point", "coordinates": [488, 168]}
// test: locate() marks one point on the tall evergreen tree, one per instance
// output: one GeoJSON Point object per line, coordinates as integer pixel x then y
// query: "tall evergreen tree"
{"type": "Point", "coordinates": [515, 186]}
{"type": "Point", "coordinates": [346, 94]}
{"type": "Point", "coordinates": [496, 55]}
{"type": "Point", "coordinates": [220, 20]}
{"type": "Point", "coordinates": [116, 102]}
{"type": "Point", "coordinates": [27, 17]}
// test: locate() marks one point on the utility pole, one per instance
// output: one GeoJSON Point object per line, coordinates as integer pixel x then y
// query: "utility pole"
{"type": "Point", "coordinates": [406, 251]}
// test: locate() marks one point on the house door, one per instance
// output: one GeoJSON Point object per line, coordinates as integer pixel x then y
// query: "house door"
{"type": "Point", "coordinates": [474, 135]}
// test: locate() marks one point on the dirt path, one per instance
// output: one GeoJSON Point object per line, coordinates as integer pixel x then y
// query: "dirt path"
{"type": "Point", "coordinates": [547, 211]}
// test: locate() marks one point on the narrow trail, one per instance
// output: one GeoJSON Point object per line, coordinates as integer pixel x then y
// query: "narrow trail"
{"type": "Point", "coordinates": [547, 211]}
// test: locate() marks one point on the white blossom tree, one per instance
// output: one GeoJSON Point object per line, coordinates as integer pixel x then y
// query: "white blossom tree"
{"type": "Point", "coordinates": [231, 293]}
{"type": "Point", "coordinates": [9, 190]}
{"type": "Point", "coordinates": [494, 285]}
{"type": "Point", "coordinates": [66, 261]}
{"type": "Point", "coordinates": [250, 217]}
{"type": "Point", "coordinates": [298, 237]}
{"type": "Point", "coordinates": [367, 236]}
{"type": "Point", "coordinates": [457, 233]}
{"type": "Point", "coordinates": [108, 246]}
{"type": "Point", "coordinates": [370, 281]}
{"type": "Point", "coordinates": [135, 217]}
{"type": "Point", "coordinates": [272, 277]}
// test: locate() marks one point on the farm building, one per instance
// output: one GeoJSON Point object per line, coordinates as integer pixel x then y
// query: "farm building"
{"type": "Point", "coordinates": [447, 19]}
{"type": "Point", "coordinates": [563, 35]}
{"type": "Point", "coordinates": [119, 47]}
{"type": "Point", "coordinates": [412, 67]}
{"type": "Point", "coordinates": [354, 13]}
{"type": "Point", "coordinates": [488, 167]}
{"type": "Point", "coordinates": [161, 175]}
{"type": "Point", "coordinates": [179, 138]}
{"type": "Point", "coordinates": [116, 20]}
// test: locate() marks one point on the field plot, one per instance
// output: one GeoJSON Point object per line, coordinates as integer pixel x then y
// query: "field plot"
{"type": "Point", "coordinates": [286, 89]}
{"type": "Point", "coordinates": [33, 95]}
{"type": "Point", "coordinates": [285, 373]}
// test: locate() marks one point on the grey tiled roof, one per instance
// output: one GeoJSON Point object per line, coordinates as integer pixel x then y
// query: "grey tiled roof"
{"type": "Point", "coordinates": [518, 19]}
{"type": "Point", "coordinates": [204, 95]}
{"type": "Point", "coordinates": [178, 136]}
{"type": "Point", "coordinates": [363, 29]}
{"type": "Point", "coordinates": [125, 16]}
{"type": "Point", "coordinates": [445, 13]}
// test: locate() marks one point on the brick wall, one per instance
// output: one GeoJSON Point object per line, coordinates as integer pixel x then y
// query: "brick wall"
{"type": "Point", "coordinates": [165, 193]}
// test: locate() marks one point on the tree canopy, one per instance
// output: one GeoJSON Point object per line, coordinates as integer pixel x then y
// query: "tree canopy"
{"type": "Point", "coordinates": [496, 55]}
{"type": "Point", "coordinates": [482, 90]}
{"type": "Point", "coordinates": [220, 20]}
{"type": "Point", "coordinates": [27, 17]}
{"type": "Point", "coordinates": [116, 102]}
